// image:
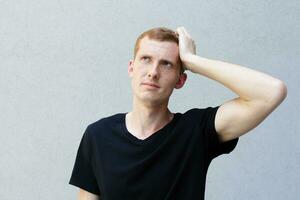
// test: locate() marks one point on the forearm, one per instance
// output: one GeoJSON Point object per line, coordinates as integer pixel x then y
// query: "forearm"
{"type": "Point", "coordinates": [245, 82]}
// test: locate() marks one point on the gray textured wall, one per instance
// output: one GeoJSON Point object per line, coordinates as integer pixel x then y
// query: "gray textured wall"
{"type": "Point", "coordinates": [63, 65]}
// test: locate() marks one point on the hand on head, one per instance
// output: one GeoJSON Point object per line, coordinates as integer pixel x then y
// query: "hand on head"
{"type": "Point", "coordinates": [187, 45]}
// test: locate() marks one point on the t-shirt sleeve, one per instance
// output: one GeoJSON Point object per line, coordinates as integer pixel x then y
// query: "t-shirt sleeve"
{"type": "Point", "coordinates": [83, 175]}
{"type": "Point", "coordinates": [214, 146]}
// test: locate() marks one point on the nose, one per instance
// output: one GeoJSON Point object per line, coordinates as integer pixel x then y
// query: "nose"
{"type": "Point", "coordinates": [154, 71]}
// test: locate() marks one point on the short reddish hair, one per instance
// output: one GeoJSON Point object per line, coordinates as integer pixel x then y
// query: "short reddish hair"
{"type": "Point", "coordinates": [159, 34]}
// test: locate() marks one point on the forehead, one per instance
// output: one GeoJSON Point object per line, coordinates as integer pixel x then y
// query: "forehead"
{"type": "Point", "coordinates": [160, 49]}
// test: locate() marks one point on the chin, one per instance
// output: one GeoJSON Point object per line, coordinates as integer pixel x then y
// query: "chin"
{"type": "Point", "coordinates": [159, 100]}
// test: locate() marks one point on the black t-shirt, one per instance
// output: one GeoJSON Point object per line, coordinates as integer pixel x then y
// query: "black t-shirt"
{"type": "Point", "coordinates": [170, 164]}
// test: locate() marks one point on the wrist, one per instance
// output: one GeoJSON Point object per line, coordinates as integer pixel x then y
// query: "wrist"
{"type": "Point", "coordinates": [189, 61]}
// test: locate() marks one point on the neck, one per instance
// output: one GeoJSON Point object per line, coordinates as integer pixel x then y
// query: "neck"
{"type": "Point", "coordinates": [146, 119]}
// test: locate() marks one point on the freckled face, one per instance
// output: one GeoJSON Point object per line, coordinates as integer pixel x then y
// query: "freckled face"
{"type": "Point", "coordinates": [155, 71]}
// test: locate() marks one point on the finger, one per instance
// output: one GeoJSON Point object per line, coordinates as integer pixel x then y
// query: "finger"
{"type": "Point", "coordinates": [185, 32]}
{"type": "Point", "coordinates": [180, 30]}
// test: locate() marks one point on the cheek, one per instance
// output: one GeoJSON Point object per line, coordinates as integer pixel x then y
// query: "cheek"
{"type": "Point", "coordinates": [136, 80]}
{"type": "Point", "coordinates": [172, 79]}
{"type": "Point", "coordinates": [139, 70]}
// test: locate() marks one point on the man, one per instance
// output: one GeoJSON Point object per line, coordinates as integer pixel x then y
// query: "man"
{"type": "Point", "coordinates": [152, 153]}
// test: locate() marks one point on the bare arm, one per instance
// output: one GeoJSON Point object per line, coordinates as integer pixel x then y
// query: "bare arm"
{"type": "Point", "coordinates": [85, 195]}
{"type": "Point", "coordinates": [259, 93]}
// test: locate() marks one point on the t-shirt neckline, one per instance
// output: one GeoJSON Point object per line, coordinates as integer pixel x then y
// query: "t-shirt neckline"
{"type": "Point", "coordinates": [159, 133]}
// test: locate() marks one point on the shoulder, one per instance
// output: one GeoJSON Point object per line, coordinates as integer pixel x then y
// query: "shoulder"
{"type": "Point", "coordinates": [198, 116]}
{"type": "Point", "coordinates": [201, 112]}
{"type": "Point", "coordinates": [105, 123]}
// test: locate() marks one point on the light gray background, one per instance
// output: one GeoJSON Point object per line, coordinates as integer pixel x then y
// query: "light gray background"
{"type": "Point", "coordinates": [64, 65]}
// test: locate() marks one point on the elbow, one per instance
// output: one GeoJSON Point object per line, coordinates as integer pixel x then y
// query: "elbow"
{"type": "Point", "coordinates": [280, 92]}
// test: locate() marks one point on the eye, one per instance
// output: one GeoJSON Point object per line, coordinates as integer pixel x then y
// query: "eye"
{"type": "Point", "coordinates": [168, 65]}
{"type": "Point", "coordinates": [145, 58]}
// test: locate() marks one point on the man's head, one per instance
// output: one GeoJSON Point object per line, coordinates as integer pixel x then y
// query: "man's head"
{"type": "Point", "coordinates": [157, 62]}
{"type": "Point", "coordinates": [159, 34]}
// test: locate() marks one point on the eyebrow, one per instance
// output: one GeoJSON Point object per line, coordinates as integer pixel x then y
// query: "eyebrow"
{"type": "Point", "coordinates": [162, 60]}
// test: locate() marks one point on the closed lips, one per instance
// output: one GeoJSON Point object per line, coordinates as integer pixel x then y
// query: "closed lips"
{"type": "Point", "coordinates": [151, 84]}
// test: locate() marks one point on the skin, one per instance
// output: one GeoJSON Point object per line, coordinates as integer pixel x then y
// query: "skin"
{"type": "Point", "coordinates": [258, 93]}
{"type": "Point", "coordinates": [85, 195]}
{"type": "Point", "coordinates": [155, 62]}
{"type": "Point", "coordinates": [150, 111]}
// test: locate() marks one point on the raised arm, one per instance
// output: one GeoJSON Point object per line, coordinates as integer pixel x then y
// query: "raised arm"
{"type": "Point", "coordinates": [259, 93]}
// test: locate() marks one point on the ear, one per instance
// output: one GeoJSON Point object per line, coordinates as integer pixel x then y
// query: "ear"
{"type": "Point", "coordinates": [181, 81]}
{"type": "Point", "coordinates": [130, 68]}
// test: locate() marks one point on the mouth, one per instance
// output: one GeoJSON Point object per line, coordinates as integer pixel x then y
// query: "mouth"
{"type": "Point", "coordinates": [151, 84]}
